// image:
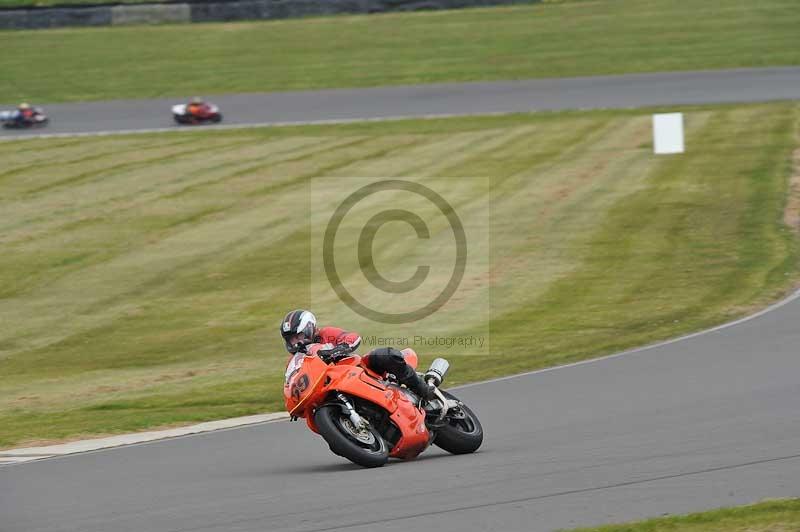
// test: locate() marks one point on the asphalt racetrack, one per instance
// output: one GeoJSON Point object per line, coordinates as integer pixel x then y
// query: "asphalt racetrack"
{"type": "Point", "coordinates": [707, 421]}
{"type": "Point", "coordinates": [638, 90]}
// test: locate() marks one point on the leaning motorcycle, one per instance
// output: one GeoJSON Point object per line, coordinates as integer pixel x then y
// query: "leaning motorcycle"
{"type": "Point", "coordinates": [367, 418]}
{"type": "Point", "coordinates": [14, 120]}
{"type": "Point", "coordinates": [209, 115]}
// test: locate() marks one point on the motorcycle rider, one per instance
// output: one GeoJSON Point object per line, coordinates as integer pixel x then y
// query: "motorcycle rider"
{"type": "Point", "coordinates": [197, 106]}
{"type": "Point", "coordinates": [299, 331]}
{"type": "Point", "coordinates": [25, 112]}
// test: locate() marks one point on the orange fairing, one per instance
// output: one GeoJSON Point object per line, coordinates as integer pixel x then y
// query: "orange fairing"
{"type": "Point", "coordinates": [311, 382]}
{"type": "Point", "coordinates": [411, 422]}
{"type": "Point", "coordinates": [304, 374]}
{"type": "Point", "coordinates": [411, 357]}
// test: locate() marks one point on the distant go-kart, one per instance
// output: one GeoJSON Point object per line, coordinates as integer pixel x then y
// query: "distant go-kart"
{"type": "Point", "coordinates": [203, 114]}
{"type": "Point", "coordinates": [15, 120]}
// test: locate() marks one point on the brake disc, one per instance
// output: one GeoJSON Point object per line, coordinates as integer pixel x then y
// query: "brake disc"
{"type": "Point", "coordinates": [363, 435]}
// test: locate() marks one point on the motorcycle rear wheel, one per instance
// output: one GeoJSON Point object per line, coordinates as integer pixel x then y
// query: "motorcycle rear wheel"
{"type": "Point", "coordinates": [461, 435]}
{"type": "Point", "coordinates": [365, 447]}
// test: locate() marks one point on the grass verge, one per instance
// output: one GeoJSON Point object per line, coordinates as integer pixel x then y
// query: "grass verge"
{"type": "Point", "coordinates": [770, 516]}
{"type": "Point", "coordinates": [142, 276]}
{"type": "Point", "coordinates": [574, 38]}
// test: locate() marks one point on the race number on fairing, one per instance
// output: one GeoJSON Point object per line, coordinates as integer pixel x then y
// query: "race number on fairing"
{"type": "Point", "coordinates": [294, 365]}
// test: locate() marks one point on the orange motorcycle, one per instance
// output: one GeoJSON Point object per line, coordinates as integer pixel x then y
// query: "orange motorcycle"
{"type": "Point", "coordinates": [367, 418]}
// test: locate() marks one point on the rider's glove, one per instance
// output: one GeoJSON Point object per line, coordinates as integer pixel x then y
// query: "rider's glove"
{"type": "Point", "coordinates": [299, 347]}
{"type": "Point", "coordinates": [335, 353]}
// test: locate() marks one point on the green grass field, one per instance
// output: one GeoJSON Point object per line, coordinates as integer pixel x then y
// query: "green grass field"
{"type": "Point", "coordinates": [771, 516]}
{"type": "Point", "coordinates": [142, 277]}
{"type": "Point", "coordinates": [577, 38]}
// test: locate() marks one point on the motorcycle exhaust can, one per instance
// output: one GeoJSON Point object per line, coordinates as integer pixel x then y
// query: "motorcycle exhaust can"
{"type": "Point", "coordinates": [437, 371]}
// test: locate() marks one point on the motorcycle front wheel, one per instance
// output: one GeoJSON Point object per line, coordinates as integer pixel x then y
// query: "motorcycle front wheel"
{"type": "Point", "coordinates": [364, 446]}
{"type": "Point", "coordinates": [463, 432]}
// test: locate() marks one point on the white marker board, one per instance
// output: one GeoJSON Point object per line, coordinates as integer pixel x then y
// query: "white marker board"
{"type": "Point", "coordinates": [668, 133]}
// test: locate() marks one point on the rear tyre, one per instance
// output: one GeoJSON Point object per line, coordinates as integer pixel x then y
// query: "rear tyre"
{"type": "Point", "coordinates": [463, 432]}
{"type": "Point", "coordinates": [364, 447]}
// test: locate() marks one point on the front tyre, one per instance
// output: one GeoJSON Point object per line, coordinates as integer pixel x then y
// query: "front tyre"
{"type": "Point", "coordinates": [463, 432]}
{"type": "Point", "coordinates": [364, 447]}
